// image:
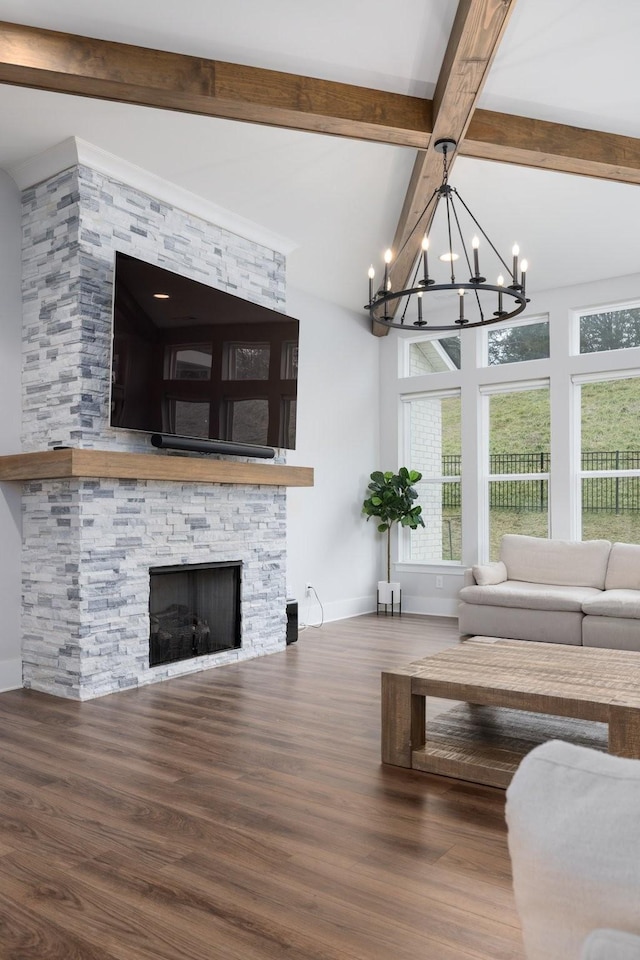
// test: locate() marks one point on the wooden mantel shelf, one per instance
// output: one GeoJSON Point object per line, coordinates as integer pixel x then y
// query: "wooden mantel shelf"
{"type": "Point", "coordinates": [69, 463]}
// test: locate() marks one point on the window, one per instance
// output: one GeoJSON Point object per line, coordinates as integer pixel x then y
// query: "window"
{"type": "Point", "coordinates": [188, 363]}
{"type": "Point", "coordinates": [248, 420]}
{"type": "Point", "coordinates": [610, 459]}
{"type": "Point", "coordinates": [616, 329]}
{"type": "Point", "coordinates": [432, 355]}
{"type": "Point", "coordinates": [289, 364]}
{"type": "Point", "coordinates": [527, 340]}
{"type": "Point", "coordinates": [187, 418]}
{"type": "Point", "coordinates": [567, 472]}
{"type": "Point", "coordinates": [434, 448]}
{"type": "Point", "coordinates": [519, 436]}
{"type": "Point", "coordinates": [247, 361]}
{"type": "Point", "coordinates": [288, 423]}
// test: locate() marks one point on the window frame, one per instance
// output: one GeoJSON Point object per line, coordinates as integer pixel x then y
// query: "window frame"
{"type": "Point", "coordinates": [578, 474]}
{"type": "Point", "coordinates": [560, 371]}
{"type": "Point", "coordinates": [486, 391]}
{"type": "Point", "coordinates": [576, 315]}
{"type": "Point", "coordinates": [404, 358]}
{"type": "Point", "coordinates": [527, 321]}
{"type": "Point", "coordinates": [404, 538]}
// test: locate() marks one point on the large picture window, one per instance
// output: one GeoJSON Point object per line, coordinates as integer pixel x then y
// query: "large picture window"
{"type": "Point", "coordinates": [434, 448]}
{"type": "Point", "coordinates": [529, 428]}
{"type": "Point", "coordinates": [610, 459]}
{"type": "Point", "coordinates": [519, 436]}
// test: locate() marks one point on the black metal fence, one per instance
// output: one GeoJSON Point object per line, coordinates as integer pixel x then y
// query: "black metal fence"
{"type": "Point", "coordinates": [606, 494]}
{"type": "Point", "coordinates": [611, 494]}
{"type": "Point", "coordinates": [612, 460]}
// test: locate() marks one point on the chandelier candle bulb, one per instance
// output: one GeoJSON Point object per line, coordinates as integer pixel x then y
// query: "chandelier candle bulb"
{"type": "Point", "coordinates": [515, 252]}
{"type": "Point", "coordinates": [425, 263]}
{"type": "Point", "coordinates": [387, 260]}
{"type": "Point", "coordinates": [475, 243]}
{"type": "Point", "coordinates": [523, 275]}
{"type": "Point", "coordinates": [372, 274]}
{"type": "Point", "coordinates": [420, 308]}
{"type": "Point", "coordinates": [500, 284]}
{"type": "Point", "coordinates": [461, 292]}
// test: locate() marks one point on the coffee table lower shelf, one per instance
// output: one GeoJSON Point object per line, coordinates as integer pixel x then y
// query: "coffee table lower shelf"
{"type": "Point", "coordinates": [486, 744]}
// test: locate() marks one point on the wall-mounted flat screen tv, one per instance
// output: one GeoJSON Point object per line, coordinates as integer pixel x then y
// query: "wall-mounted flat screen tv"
{"type": "Point", "coordinates": [193, 361]}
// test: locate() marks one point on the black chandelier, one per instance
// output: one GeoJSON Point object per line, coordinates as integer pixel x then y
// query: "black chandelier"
{"type": "Point", "coordinates": [477, 302]}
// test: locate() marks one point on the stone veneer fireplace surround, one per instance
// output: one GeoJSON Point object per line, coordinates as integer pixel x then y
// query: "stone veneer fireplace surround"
{"type": "Point", "coordinates": [89, 542]}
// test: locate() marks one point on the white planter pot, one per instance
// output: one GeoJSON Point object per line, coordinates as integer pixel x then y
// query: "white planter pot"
{"type": "Point", "coordinates": [388, 592]}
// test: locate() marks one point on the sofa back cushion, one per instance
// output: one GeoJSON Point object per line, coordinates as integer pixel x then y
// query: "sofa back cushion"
{"type": "Point", "coordinates": [560, 562]}
{"type": "Point", "coordinates": [623, 569]}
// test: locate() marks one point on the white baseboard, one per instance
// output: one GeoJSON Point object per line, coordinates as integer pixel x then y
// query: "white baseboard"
{"type": "Point", "coordinates": [10, 675]}
{"type": "Point", "coordinates": [430, 606]}
{"type": "Point", "coordinates": [309, 609]}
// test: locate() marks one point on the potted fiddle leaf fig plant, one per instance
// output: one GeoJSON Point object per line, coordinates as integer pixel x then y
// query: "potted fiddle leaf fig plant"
{"type": "Point", "coordinates": [392, 499]}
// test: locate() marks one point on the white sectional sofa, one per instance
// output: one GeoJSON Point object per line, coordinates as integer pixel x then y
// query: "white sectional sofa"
{"type": "Point", "coordinates": [558, 591]}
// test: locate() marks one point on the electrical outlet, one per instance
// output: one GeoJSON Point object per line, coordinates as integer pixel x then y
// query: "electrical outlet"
{"type": "Point", "coordinates": [308, 588]}
{"type": "Point", "coordinates": [438, 583]}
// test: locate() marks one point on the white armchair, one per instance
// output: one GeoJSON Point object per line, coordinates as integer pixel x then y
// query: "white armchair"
{"type": "Point", "coordinates": [574, 837]}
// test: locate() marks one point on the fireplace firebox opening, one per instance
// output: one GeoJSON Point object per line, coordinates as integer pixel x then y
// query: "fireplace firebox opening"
{"type": "Point", "coordinates": [194, 610]}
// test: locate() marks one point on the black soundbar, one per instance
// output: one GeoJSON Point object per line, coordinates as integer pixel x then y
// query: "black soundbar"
{"type": "Point", "coordinates": [165, 441]}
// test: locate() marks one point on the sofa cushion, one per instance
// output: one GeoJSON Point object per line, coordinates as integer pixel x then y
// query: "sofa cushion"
{"type": "Point", "coordinates": [531, 596]}
{"type": "Point", "coordinates": [614, 603]}
{"type": "Point", "coordinates": [560, 562]}
{"type": "Point", "coordinates": [518, 623]}
{"type": "Point", "coordinates": [614, 633]}
{"type": "Point", "coordinates": [623, 569]}
{"type": "Point", "coordinates": [486, 574]}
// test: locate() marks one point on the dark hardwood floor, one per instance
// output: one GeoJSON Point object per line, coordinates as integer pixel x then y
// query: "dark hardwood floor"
{"type": "Point", "coordinates": [243, 813]}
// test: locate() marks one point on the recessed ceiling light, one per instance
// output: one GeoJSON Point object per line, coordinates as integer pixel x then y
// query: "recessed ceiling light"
{"type": "Point", "coordinates": [161, 296]}
{"type": "Point", "coordinates": [449, 257]}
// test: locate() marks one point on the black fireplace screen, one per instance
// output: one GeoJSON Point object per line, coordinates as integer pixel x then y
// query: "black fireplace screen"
{"type": "Point", "coordinates": [194, 610]}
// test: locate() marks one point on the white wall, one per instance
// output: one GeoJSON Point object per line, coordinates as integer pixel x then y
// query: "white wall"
{"type": "Point", "coordinates": [330, 544]}
{"type": "Point", "coordinates": [10, 494]}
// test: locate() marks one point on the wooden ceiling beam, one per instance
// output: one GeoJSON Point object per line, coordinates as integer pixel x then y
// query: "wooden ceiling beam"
{"type": "Point", "coordinates": [65, 63]}
{"type": "Point", "coordinates": [477, 30]}
{"type": "Point", "coordinates": [552, 146]}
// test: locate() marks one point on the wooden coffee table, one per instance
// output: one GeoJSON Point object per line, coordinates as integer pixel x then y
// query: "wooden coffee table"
{"type": "Point", "coordinates": [533, 684]}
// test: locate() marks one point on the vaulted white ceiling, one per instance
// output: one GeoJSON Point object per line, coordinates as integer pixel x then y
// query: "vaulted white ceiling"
{"type": "Point", "coordinates": [572, 62]}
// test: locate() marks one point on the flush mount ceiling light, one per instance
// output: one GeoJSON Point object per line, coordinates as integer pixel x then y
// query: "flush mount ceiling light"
{"type": "Point", "coordinates": [473, 302]}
